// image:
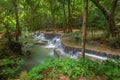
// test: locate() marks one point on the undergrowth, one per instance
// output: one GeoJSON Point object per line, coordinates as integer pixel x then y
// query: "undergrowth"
{"type": "Point", "coordinates": [74, 69]}
{"type": "Point", "coordinates": [9, 67]}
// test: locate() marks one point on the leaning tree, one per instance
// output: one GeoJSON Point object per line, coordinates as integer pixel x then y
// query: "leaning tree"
{"type": "Point", "coordinates": [109, 15]}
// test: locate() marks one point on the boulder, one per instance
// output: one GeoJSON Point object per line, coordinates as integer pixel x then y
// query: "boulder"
{"type": "Point", "coordinates": [59, 54]}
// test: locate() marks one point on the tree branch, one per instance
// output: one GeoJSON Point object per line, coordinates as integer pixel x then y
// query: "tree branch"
{"type": "Point", "coordinates": [96, 2]}
{"type": "Point", "coordinates": [114, 5]}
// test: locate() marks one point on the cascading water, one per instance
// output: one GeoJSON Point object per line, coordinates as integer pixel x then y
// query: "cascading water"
{"type": "Point", "coordinates": [41, 36]}
{"type": "Point", "coordinates": [56, 44]}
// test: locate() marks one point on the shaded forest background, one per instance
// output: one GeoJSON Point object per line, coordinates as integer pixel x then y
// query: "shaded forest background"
{"type": "Point", "coordinates": [17, 17]}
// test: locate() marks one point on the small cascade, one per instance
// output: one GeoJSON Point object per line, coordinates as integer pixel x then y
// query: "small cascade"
{"type": "Point", "coordinates": [41, 37]}
{"type": "Point", "coordinates": [50, 44]}
{"type": "Point", "coordinates": [56, 45]}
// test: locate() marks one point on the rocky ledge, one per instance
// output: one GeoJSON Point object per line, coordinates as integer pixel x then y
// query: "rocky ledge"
{"type": "Point", "coordinates": [41, 43]}
{"type": "Point", "coordinates": [74, 50]}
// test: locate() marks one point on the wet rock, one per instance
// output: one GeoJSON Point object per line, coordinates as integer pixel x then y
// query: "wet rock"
{"type": "Point", "coordinates": [58, 53]}
{"type": "Point", "coordinates": [68, 49]}
{"type": "Point", "coordinates": [41, 43]}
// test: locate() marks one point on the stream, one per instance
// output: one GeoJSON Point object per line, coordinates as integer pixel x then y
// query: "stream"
{"type": "Point", "coordinates": [51, 44]}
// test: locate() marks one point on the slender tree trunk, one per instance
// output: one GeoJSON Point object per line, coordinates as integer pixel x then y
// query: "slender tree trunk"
{"type": "Point", "coordinates": [16, 46]}
{"type": "Point", "coordinates": [84, 25]}
{"type": "Point", "coordinates": [53, 21]}
{"type": "Point", "coordinates": [113, 31]}
{"type": "Point", "coordinates": [69, 18]}
{"type": "Point", "coordinates": [73, 19]}
{"type": "Point", "coordinates": [18, 31]}
{"type": "Point", "coordinates": [53, 17]}
{"type": "Point", "coordinates": [65, 20]}
{"type": "Point", "coordinates": [57, 26]}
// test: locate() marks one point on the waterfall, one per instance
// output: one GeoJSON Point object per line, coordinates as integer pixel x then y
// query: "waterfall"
{"type": "Point", "coordinates": [40, 36]}
{"type": "Point", "coordinates": [56, 44]}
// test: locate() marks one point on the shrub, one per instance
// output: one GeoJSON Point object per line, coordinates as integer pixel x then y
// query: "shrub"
{"type": "Point", "coordinates": [9, 67]}
{"type": "Point", "coordinates": [74, 69]}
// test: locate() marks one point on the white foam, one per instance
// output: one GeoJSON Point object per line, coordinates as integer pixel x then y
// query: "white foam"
{"type": "Point", "coordinates": [94, 56]}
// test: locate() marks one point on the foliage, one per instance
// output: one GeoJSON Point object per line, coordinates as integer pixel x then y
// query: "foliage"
{"type": "Point", "coordinates": [37, 14]}
{"type": "Point", "coordinates": [115, 42]}
{"type": "Point", "coordinates": [10, 66]}
{"type": "Point", "coordinates": [75, 69]}
{"type": "Point", "coordinates": [111, 69]}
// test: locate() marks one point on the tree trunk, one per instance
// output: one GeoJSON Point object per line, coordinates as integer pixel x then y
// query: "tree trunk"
{"type": "Point", "coordinates": [53, 17]}
{"type": "Point", "coordinates": [113, 31]}
{"type": "Point", "coordinates": [65, 20]}
{"type": "Point", "coordinates": [84, 25]}
{"type": "Point", "coordinates": [53, 21]}
{"type": "Point", "coordinates": [18, 31]}
{"type": "Point", "coordinates": [17, 47]}
{"type": "Point", "coordinates": [110, 17]}
{"type": "Point", "coordinates": [73, 19]}
{"type": "Point", "coordinates": [69, 18]}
